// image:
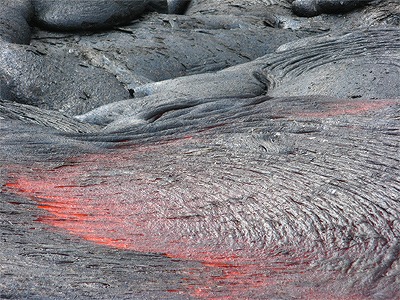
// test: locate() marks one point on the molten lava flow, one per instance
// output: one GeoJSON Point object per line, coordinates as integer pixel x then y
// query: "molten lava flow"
{"type": "Point", "coordinates": [120, 210]}
{"type": "Point", "coordinates": [140, 198]}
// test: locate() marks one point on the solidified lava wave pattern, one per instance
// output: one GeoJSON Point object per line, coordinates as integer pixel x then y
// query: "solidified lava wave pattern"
{"type": "Point", "coordinates": [261, 220]}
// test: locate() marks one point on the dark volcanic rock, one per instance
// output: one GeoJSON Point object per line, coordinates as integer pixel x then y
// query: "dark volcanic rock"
{"type": "Point", "coordinates": [236, 152]}
{"type": "Point", "coordinates": [88, 14]}
{"type": "Point", "coordinates": [364, 65]}
{"type": "Point", "coordinates": [14, 18]}
{"type": "Point", "coordinates": [310, 8]}
{"type": "Point", "coordinates": [59, 82]}
{"type": "Point", "coordinates": [162, 47]}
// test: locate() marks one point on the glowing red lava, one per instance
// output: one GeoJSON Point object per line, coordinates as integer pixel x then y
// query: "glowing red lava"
{"type": "Point", "coordinates": [132, 198]}
{"type": "Point", "coordinates": [347, 107]}
{"type": "Point", "coordinates": [137, 218]}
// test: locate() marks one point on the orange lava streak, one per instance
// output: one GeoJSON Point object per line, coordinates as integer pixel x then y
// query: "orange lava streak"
{"type": "Point", "coordinates": [125, 210]}
{"type": "Point", "coordinates": [222, 274]}
{"type": "Point", "coordinates": [347, 107]}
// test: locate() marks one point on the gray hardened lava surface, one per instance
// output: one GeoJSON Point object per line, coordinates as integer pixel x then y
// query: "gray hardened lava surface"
{"type": "Point", "coordinates": [200, 149]}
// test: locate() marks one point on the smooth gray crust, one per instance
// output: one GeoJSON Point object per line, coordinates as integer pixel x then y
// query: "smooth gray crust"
{"type": "Point", "coordinates": [89, 15]}
{"type": "Point", "coordinates": [177, 6]}
{"type": "Point", "coordinates": [311, 8]}
{"type": "Point", "coordinates": [68, 86]}
{"type": "Point", "coordinates": [14, 19]}
{"type": "Point", "coordinates": [197, 44]}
